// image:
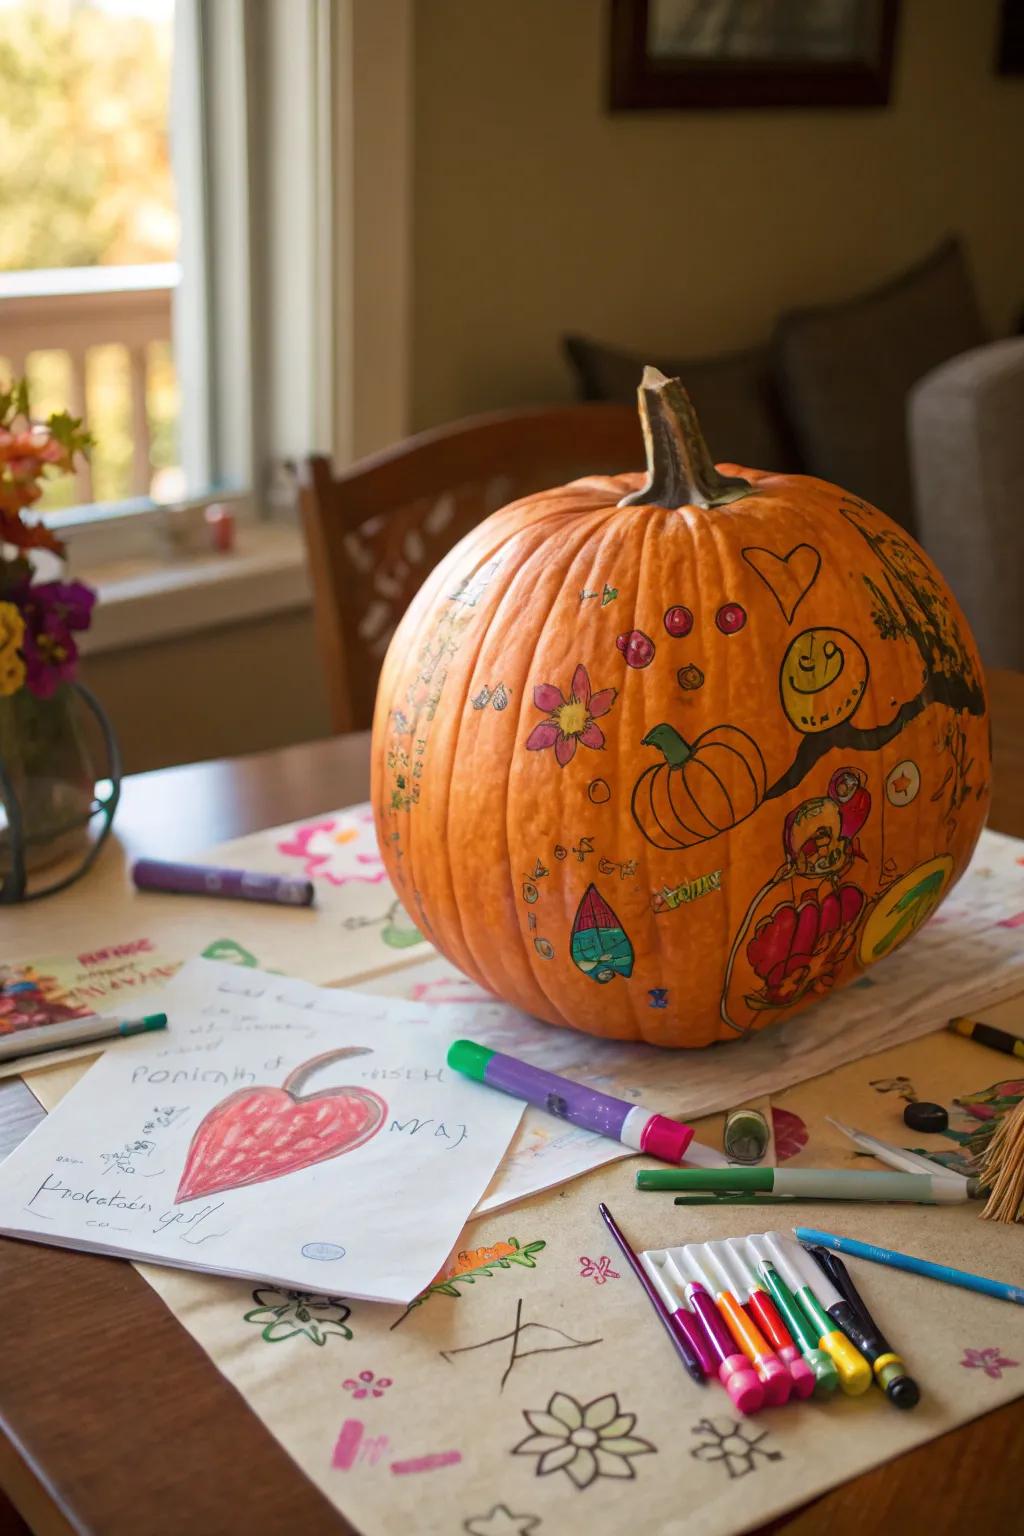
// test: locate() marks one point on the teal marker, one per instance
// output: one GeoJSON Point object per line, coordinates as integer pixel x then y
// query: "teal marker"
{"type": "Point", "coordinates": [820, 1361]}
{"type": "Point", "coordinates": [57, 1037]}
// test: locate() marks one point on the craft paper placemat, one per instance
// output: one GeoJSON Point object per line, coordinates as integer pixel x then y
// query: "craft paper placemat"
{"type": "Point", "coordinates": [275, 1130]}
{"type": "Point", "coordinates": [531, 1390]}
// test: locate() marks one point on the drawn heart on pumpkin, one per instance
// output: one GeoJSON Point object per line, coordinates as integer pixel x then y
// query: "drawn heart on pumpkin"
{"type": "Point", "coordinates": [263, 1133]}
{"type": "Point", "coordinates": [788, 578]}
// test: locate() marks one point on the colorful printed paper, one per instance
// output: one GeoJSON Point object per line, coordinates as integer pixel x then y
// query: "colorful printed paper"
{"type": "Point", "coordinates": [305, 1137]}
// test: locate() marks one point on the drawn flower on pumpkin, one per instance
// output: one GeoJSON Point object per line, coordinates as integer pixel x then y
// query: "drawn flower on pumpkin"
{"type": "Point", "coordinates": [584, 1440]}
{"type": "Point", "coordinates": [991, 1361]}
{"type": "Point", "coordinates": [284, 1314]}
{"type": "Point", "coordinates": [571, 721]}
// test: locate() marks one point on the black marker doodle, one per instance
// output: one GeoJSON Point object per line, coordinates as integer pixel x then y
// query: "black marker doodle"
{"type": "Point", "coordinates": [517, 1335]}
{"type": "Point", "coordinates": [733, 1443]}
{"type": "Point", "coordinates": [584, 1440]}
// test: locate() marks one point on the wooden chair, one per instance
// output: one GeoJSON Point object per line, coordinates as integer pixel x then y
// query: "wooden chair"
{"type": "Point", "coordinates": [374, 532]}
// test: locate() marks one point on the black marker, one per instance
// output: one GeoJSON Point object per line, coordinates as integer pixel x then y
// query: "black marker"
{"type": "Point", "coordinates": [856, 1321]}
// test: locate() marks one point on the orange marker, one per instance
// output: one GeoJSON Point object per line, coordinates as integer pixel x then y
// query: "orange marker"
{"type": "Point", "coordinates": [704, 1267]}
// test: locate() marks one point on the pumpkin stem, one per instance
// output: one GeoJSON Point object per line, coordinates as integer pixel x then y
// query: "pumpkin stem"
{"type": "Point", "coordinates": [669, 743]}
{"type": "Point", "coordinates": [680, 470]}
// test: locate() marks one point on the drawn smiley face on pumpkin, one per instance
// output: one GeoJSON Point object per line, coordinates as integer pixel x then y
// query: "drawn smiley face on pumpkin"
{"type": "Point", "coordinates": [822, 679]}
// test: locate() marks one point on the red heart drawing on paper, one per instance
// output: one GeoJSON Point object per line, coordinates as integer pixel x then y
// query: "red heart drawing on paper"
{"type": "Point", "coordinates": [263, 1133]}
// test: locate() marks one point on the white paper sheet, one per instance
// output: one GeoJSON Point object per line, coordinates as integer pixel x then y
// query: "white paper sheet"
{"type": "Point", "coordinates": [969, 956]}
{"type": "Point", "coordinates": [278, 1131]}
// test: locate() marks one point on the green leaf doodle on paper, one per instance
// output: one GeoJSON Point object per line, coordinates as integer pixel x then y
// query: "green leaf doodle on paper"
{"type": "Point", "coordinates": [284, 1314]}
{"type": "Point", "coordinates": [476, 1264]}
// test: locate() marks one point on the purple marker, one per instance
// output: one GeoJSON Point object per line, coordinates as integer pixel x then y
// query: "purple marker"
{"type": "Point", "coordinates": [634, 1126]}
{"type": "Point", "coordinates": [205, 880]}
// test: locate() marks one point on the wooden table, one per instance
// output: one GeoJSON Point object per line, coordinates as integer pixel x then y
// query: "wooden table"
{"type": "Point", "coordinates": [114, 1420]}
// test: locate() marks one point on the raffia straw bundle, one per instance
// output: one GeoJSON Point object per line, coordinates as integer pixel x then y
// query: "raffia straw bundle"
{"type": "Point", "coordinates": [1002, 1169]}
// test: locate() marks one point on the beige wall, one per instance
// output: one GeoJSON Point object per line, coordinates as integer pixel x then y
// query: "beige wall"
{"type": "Point", "coordinates": [213, 694]}
{"type": "Point", "coordinates": [537, 212]}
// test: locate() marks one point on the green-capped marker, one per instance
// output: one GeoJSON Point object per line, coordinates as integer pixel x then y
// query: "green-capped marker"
{"type": "Point", "coordinates": [140, 1026]}
{"type": "Point", "coordinates": [469, 1058]}
{"type": "Point", "coordinates": [826, 1376]}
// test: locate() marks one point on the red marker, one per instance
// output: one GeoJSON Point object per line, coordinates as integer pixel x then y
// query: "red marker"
{"type": "Point", "coordinates": [763, 1311]}
{"type": "Point", "coordinates": [777, 1382]}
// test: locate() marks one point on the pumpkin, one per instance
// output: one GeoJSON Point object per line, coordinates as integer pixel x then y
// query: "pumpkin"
{"type": "Point", "coordinates": [741, 752]}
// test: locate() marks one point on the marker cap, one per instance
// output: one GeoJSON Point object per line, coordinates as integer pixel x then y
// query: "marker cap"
{"type": "Point", "coordinates": [826, 1377]}
{"type": "Point", "coordinates": [662, 1138]}
{"type": "Point", "coordinates": [468, 1057]}
{"type": "Point", "coordinates": [855, 1374]}
{"type": "Point", "coordinates": [901, 1389]}
{"type": "Point", "coordinates": [741, 1384]}
{"type": "Point", "coordinates": [778, 1384]}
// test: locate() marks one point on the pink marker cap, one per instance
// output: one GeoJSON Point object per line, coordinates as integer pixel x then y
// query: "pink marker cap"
{"type": "Point", "coordinates": [803, 1378]}
{"type": "Point", "coordinates": [741, 1384]}
{"type": "Point", "coordinates": [778, 1383]}
{"type": "Point", "coordinates": [665, 1139]}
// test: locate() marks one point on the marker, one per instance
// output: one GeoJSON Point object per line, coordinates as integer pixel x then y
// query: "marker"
{"type": "Point", "coordinates": [809, 1183]}
{"type": "Point", "coordinates": [791, 1262]}
{"type": "Point", "coordinates": [635, 1127]}
{"type": "Point", "coordinates": [732, 1367]}
{"type": "Point", "coordinates": [206, 880]}
{"type": "Point", "coordinates": [680, 1341]}
{"type": "Point", "coordinates": [762, 1310]}
{"type": "Point", "coordinates": [987, 1034]}
{"type": "Point", "coordinates": [701, 1265]}
{"type": "Point", "coordinates": [897, 1157]}
{"type": "Point", "coordinates": [907, 1261]}
{"type": "Point", "coordinates": [682, 1319]}
{"type": "Point", "coordinates": [54, 1037]}
{"type": "Point", "coordinates": [890, 1369]}
{"type": "Point", "coordinates": [806, 1336]}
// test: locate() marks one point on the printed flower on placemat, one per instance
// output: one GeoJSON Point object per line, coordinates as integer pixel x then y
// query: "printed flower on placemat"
{"type": "Point", "coordinates": [991, 1361]}
{"type": "Point", "coordinates": [284, 1314]}
{"type": "Point", "coordinates": [366, 1384]}
{"type": "Point", "coordinates": [584, 1440]}
{"type": "Point", "coordinates": [571, 720]}
{"type": "Point", "coordinates": [328, 851]}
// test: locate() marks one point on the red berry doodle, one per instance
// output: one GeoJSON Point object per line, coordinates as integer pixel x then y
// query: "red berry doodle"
{"type": "Point", "coordinates": [264, 1133]}
{"type": "Point", "coordinates": [730, 618]}
{"type": "Point", "coordinates": [636, 647]}
{"type": "Point", "coordinates": [678, 621]}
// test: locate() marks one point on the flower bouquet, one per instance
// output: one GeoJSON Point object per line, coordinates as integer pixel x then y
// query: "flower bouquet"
{"type": "Point", "coordinates": [47, 779]}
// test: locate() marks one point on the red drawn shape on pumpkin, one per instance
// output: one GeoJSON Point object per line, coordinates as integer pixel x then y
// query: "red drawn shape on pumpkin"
{"type": "Point", "coordinates": [678, 621]}
{"type": "Point", "coordinates": [730, 618]}
{"type": "Point", "coordinates": [797, 949]}
{"type": "Point", "coordinates": [636, 647]}
{"type": "Point", "coordinates": [264, 1133]}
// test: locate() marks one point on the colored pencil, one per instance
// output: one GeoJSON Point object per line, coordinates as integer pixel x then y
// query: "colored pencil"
{"type": "Point", "coordinates": [915, 1266]}
{"type": "Point", "coordinates": [682, 1346]}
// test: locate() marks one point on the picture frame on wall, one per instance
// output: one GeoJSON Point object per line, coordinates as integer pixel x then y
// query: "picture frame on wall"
{"type": "Point", "coordinates": [686, 54]}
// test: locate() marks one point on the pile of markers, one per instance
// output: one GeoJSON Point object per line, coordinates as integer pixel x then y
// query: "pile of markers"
{"type": "Point", "coordinates": [770, 1317]}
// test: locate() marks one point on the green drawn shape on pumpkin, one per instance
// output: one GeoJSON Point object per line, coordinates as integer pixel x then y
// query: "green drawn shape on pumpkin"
{"type": "Point", "coordinates": [231, 951]}
{"type": "Point", "coordinates": [288, 1314]}
{"type": "Point", "coordinates": [523, 1255]}
{"type": "Point", "coordinates": [600, 946]}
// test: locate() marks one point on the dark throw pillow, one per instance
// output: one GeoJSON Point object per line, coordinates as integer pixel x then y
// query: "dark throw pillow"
{"type": "Point", "coordinates": [845, 370]}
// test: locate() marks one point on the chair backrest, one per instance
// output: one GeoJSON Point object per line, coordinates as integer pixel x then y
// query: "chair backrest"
{"type": "Point", "coordinates": [376, 531]}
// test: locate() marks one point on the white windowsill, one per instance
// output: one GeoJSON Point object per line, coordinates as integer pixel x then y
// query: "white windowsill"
{"type": "Point", "coordinates": [145, 600]}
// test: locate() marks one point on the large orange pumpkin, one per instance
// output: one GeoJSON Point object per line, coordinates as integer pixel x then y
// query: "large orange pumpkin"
{"type": "Point", "coordinates": [669, 759]}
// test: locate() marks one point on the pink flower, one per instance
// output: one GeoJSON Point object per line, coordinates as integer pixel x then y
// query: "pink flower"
{"type": "Point", "coordinates": [570, 720]}
{"type": "Point", "coordinates": [988, 1360]}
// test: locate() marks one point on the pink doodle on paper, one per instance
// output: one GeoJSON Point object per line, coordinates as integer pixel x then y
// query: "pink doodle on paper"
{"type": "Point", "coordinates": [366, 1384]}
{"type": "Point", "coordinates": [599, 1270]}
{"type": "Point", "coordinates": [991, 1361]}
{"type": "Point", "coordinates": [427, 1463]}
{"type": "Point", "coordinates": [1016, 921]}
{"type": "Point", "coordinates": [329, 851]}
{"type": "Point", "coordinates": [450, 989]}
{"type": "Point", "coordinates": [351, 1446]}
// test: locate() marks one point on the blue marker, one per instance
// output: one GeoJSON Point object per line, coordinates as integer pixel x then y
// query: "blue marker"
{"type": "Point", "coordinates": [961, 1277]}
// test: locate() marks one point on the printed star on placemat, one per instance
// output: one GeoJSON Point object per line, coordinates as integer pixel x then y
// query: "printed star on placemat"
{"type": "Point", "coordinates": [501, 1522]}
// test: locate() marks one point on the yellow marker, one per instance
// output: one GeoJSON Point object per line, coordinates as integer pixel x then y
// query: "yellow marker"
{"type": "Point", "coordinates": [853, 1370]}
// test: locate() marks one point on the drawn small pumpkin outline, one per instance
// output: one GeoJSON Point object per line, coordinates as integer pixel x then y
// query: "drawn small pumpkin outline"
{"type": "Point", "coordinates": [701, 788]}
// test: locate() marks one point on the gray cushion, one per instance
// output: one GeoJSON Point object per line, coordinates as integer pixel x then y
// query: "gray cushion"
{"type": "Point", "coordinates": [845, 370]}
{"type": "Point", "coordinates": [733, 395]}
